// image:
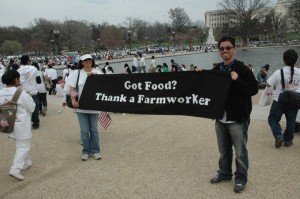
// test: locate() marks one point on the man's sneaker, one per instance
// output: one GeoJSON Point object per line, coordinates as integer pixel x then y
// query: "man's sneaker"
{"type": "Point", "coordinates": [218, 179]}
{"type": "Point", "coordinates": [278, 142]}
{"type": "Point", "coordinates": [17, 175]}
{"type": "Point", "coordinates": [288, 144]}
{"type": "Point", "coordinates": [239, 188]}
{"type": "Point", "coordinates": [84, 157]}
{"type": "Point", "coordinates": [97, 156]}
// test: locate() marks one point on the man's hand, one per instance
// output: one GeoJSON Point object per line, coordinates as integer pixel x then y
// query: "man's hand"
{"type": "Point", "coordinates": [234, 75]}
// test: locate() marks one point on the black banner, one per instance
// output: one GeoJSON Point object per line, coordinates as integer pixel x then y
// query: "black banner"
{"type": "Point", "coordinates": [201, 94]}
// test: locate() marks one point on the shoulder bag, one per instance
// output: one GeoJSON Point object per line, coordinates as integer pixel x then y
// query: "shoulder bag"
{"type": "Point", "coordinates": [289, 99]}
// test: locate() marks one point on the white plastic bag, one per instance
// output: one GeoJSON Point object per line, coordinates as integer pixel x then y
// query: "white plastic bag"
{"type": "Point", "coordinates": [266, 97]}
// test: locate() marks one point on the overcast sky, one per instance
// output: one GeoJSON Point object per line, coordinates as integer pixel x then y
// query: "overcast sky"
{"type": "Point", "coordinates": [21, 12]}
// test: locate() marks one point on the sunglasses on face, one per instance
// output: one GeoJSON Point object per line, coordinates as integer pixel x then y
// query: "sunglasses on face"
{"type": "Point", "coordinates": [226, 48]}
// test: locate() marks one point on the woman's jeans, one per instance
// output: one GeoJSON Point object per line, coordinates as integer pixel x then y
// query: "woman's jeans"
{"type": "Point", "coordinates": [276, 112]}
{"type": "Point", "coordinates": [88, 123]}
{"type": "Point", "coordinates": [228, 135]}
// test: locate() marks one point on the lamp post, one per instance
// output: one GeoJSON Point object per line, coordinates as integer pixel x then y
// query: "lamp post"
{"type": "Point", "coordinates": [129, 37]}
{"type": "Point", "coordinates": [146, 38]}
{"type": "Point", "coordinates": [98, 40]}
{"type": "Point", "coordinates": [265, 31]}
{"type": "Point", "coordinates": [52, 43]}
{"type": "Point", "coordinates": [173, 33]}
{"type": "Point", "coordinates": [56, 35]}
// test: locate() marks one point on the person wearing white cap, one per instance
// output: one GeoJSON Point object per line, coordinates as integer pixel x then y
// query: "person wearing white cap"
{"type": "Point", "coordinates": [88, 119]}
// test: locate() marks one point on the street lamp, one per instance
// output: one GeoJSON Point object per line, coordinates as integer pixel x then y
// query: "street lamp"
{"type": "Point", "coordinates": [146, 38]}
{"type": "Point", "coordinates": [98, 40]}
{"type": "Point", "coordinates": [265, 31]}
{"type": "Point", "coordinates": [173, 39]}
{"type": "Point", "coordinates": [129, 37]}
{"type": "Point", "coordinates": [52, 43]}
{"type": "Point", "coordinates": [56, 35]}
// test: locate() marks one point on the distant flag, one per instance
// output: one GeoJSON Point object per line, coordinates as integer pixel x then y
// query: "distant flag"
{"type": "Point", "coordinates": [104, 119]}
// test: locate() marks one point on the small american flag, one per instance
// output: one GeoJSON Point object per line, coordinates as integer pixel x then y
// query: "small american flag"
{"type": "Point", "coordinates": [104, 119]}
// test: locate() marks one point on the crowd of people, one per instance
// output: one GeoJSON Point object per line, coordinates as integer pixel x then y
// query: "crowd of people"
{"type": "Point", "coordinates": [231, 130]}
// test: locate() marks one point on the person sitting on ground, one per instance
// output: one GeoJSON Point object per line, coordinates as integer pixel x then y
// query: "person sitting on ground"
{"type": "Point", "coordinates": [21, 133]}
{"type": "Point", "coordinates": [127, 70]}
{"type": "Point", "coordinates": [262, 75]}
{"type": "Point", "coordinates": [165, 68]}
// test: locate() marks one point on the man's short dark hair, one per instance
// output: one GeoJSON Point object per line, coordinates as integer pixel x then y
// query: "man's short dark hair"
{"type": "Point", "coordinates": [24, 59]}
{"type": "Point", "coordinates": [227, 38]}
{"type": "Point", "coordinates": [290, 57]}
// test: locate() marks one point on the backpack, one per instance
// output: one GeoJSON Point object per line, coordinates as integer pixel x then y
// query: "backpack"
{"type": "Point", "coordinates": [8, 112]}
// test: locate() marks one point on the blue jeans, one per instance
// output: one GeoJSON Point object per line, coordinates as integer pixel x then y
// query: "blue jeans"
{"type": "Point", "coordinates": [228, 135]}
{"type": "Point", "coordinates": [88, 123]}
{"type": "Point", "coordinates": [276, 112]}
{"type": "Point", "coordinates": [35, 115]}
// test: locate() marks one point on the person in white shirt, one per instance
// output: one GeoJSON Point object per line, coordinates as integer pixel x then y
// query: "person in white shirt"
{"type": "Point", "coordinates": [66, 71]}
{"type": "Point", "coordinates": [88, 119]}
{"type": "Point", "coordinates": [135, 63]}
{"type": "Point", "coordinates": [30, 78]}
{"type": "Point", "coordinates": [152, 67]}
{"type": "Point", "coordinates": [2, 71]}
{"type": "Point", "coordinates": [52, 75]}
{"type": "Point", "coordinates": [22, 129]}
{"type": "Point", "coordinates": [142, 64]}
{"type": "Point", "coordinates": [292, 82]}
{"type": "Point", "coordinates": [42, 90]}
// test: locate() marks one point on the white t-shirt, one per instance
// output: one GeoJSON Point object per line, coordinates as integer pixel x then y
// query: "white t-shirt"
{"type": "Point", "coordinates": [142, 61]}
{"type": "Point", "coordinates": [52, 73]}
{"type": "Point", "coordinates": [2, 71]}
{"type": "Point", "coordinates": [153, 63]}
{"type": "Point", "coordinates": [275, 80]}
{"type": "Point", "coordinates": [71, 81]}
{"type": "Point", "coordinates": [41, 87]}
{"type": "Point", "coordinates": [28, 74]}
{"type": "Point", "coordinates": [26, 105]}
{"type": "Point", "coordinates": [66, 71]}
{"type": "Point", "coordinates": [135, 62]}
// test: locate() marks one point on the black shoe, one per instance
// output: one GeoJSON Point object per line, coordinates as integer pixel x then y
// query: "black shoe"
{"type": "Point", "coordinates": [35, 127]}
{"type": "Point", "coordinates": [218, 179]}
{"type": "Point", "coordinates": [288, 144]}
{"type": "Point", "coordinates": [278, 142]}
{"type": "Point", "coordinates": [239, 188]}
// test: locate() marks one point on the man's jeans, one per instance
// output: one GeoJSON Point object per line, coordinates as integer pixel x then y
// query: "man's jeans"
{"type": "Point", "coordinates": [276, 112]}
{"type": "Point", "coordinates": [228, 135]}
{"type": "Point", "coordinates": [88, 123]}
{"type": "Point", "coordinates": [35, 115]}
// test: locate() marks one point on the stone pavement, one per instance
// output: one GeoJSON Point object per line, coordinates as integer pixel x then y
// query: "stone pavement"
{"type": "Point", "coordinates": [146, 156]}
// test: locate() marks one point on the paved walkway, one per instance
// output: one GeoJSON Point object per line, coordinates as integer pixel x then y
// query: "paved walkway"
{"type": "Point", "coordinates": [146, 156]}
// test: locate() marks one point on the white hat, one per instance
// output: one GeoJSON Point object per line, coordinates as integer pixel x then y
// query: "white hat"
{"type": "Point", "coordinates": [86, 56]}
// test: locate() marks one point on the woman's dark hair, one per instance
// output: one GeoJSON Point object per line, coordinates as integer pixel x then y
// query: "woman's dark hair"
{"type": "Point", "coordinates": [267, 66]}
{"type": "Point", "coordinates": [165, 65]}
{"type": "Point", "coordinates": [35, 64]}
{"type": "Point", "coordinates": [24, 59]}
{"type": "Point", "coordinates": [290, 58]}
{"type": "Point", "coordinates": [126, 65]}
{"type": "Point", "coordinates": [9, 77]}
{"type": "Point", "coordinates": [227, 38]}
{"type": "Point", "coordinates": [80, 65]}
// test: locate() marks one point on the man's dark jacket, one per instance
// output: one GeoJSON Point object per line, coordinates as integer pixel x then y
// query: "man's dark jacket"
{"type": "Point", "coordinates": [239, 103]}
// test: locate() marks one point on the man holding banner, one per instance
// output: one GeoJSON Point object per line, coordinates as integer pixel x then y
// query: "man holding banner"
{"type": "Point", "coordinates": [232, 129]}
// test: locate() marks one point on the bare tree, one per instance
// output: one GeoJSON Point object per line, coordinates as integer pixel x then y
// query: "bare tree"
{"type": "Point", "coordinates": [179, 19]}
{"type": "Point", "coordinates": [294, 12]}
{"type": "Point", "coordinates": [278, 22]}
{"type": "Point", "coordinates": [242, 12]}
